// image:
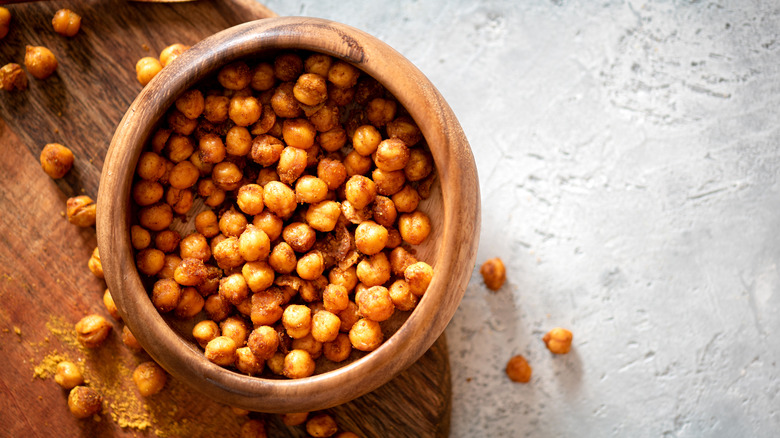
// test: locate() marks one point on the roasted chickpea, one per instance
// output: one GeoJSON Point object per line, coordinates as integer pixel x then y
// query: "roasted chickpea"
{"type": "Point", "coordinates": [94, 264]}
{"type": "Point", "coordinates": [318, 63]}
{"type": "Point", "coordinates": [211, 284]}
{"type": "Point", "coordinates": [276, 364]}
{"type": "Point", "coordinates": [160, 139]}
{"type": "Point", "coordinates": [310, 89]}
{"type": "Point", "coordinates": [108, 301]}
{"type": "Point", "coordinates": [68, 375]}
{"type": "Point", "coordinates": [150, 261]}
{"type": "Point", "coordinates": [235, 328]}
{"type": "Point", "coordinates": [92, 330]}
{"type": "Point", "coordinates": [288, 66]}
{"type": "Point", "coordinates": [282, 258]}
{"type": "Point", "coordinates": [211, 149]}
{"type": "Point", "coordinates": [249, 364]}
{"type": "Point", "coordinates": [170, 53]}
{"type": "Point", "coordinates": [299, 236]}
{"type": "Point", "coordinates": [250, 199]}
{"type": "Point", "coordinates": [335, 298]}
{"type": "Point", "coordinates": [339, 349]}
{"type": "Point", "coordinates": [205, 331]}
{"type": "Point", "coordinates": [254, 244]}
{"type": "Point", "coordinates": [360, 191]}
{"type": "Point", "coordinates": [349, 317]}
{"type": "Point", "coordinates": [206, 223]}
{"type": "Point", "coordinates": [326, 118]}
{"type": "Point", "coordinates": [284, 102]}
{"type": "Point", "coordinates": [147, 192]}
{"type": "Point", "coordinates": [419, 276]}
{"type": "Point", "coordinates": [341, 96]}
{"type": "Point", "coordinates": [325, 326]}
{"type": "Point", "coordinates": [262, 77]}
{"type": "Point", "coordinates": [217, 307]}
{"type": "Point", "coordinates": [518, 370]}
{"type": "Point", "coordinates": [391, 154]}
{"type": "Point", "coordinates": [384, 211]}
{"type": "Point", "coordinates": [356, 164]}
{"type": "Point", "coordinates": [310, 266]}
{"type": "Point", "coordinates": [179, 147]}
{"type": "Point", "coordinates": [150, 166]}
{"type": "Point", "coordinates": [493, 273]}
{"type": "Point", "coordinates": [190, 272]}
{"type": "Point", "coordinates": [156, 217]}
{"type": "Point", "coordinates": [388, 183]}
{"type": "Point", "coordinates": [406, 200]}
{"type": "Point", "coordinates": [12, 76]}
{"type": "Point", "coordinates": [244, 111]}
{"type": "Point", "coordinates": [400, 259]}
{"type": "Point", "coordinates": [215, 108]}
{"type": "Point", "coordinates": [309, 345]}
{"type": "Point", "coordinates": [297, 320]}
{"type": "Point", "coordinates": [298, 133]}
{"type": "Point", "coordinates": [393, 238]}
{"type": "Point", "coordinates": [149, 378]}
{"type": "Point", "coordinates": [212, 195]}
{"type": "Point", "coordinates": [332, 172]}
{"type": "Point", "coordinates": [139, 237]}
{"type": "Point", "coordinates": [147, 68]}
{"type": "Point", "coordinates": [343, 75]}
{"type": "Point", "coordinates": [190, 304]}
{"type": "Point", "coordinates": [263, 342]}
{"type": "Point", "coordinates": [266, 150]}
{"type": "Point", "coordinates": [380, 111]}
{"type": "Point", "coordinates": [279, 198]}
{"type": "Point", "coordinates": [370, 237]}
{"type": "Point", "coordinates": [266, 307]}
{"type": "Point", "coordinates": [366, 139]}
{"type": "Point", "coordinates": [166, 294]}
{"type": "Point", "coordinates": [414, 227]}
{"type": "Point", "coordinates": [366, 335]}
{"type": "Point", "coordinates": [191, 104]}
{"type": "Point", "coordinates": [130, 341]}
{"type": "Point", "coordinates": [310, 190]}
{"type": "Point", "coordinates": [404, 129]}
{"type": "Point", "coordinates": [266, 123]}
{"type": "Point", "coordinates": [5, 22]}
{"type": "Point", "coordinates": [81, 211]}
{"type": "Point", "coordinates": [558, 340]}
{"type": "Point", "coordinates": [344, 277]}
{"type": "Point", "coordinates": [195, 246]}
{"type": "Point", "coordinates": [294, 418]}
{"type": "Point", "coordinates": [323, 216]}
{"type": "Point", "coordinates": [238, 141]}
{"type": "Point", "coordinates": [235, 76]}
{"type": "Point", "coordinates": [332, 139]}
{"type": "Point", "coordinates": [402, 296]}
{"type": "Point", "coordinates": [298, 364]}
{"type": "Point", "coordinates": [375, 304]}
{"type": "Point", "coordinates": [84, 402]}
{"type": "Point", "coordinates": [221, 350]}
{"type": "Point", "coordinates": [232, 223]}
{"type": "Point", "coordinates": [167, 240]}
{"type": "Point", "coordinates": [292, 164]}
{"type": "Point", "coordinates": [234, 288]}
{"type": "Point", "coordinates": [56, 160]}
{"type": "Point", "coordinates": [227, 176]}
{"type": "Point", "coordinates": [40, 62]}
{"type": "Point", "coordinates": [269, 223]}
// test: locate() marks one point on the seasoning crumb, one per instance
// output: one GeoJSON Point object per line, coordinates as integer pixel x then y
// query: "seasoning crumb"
{"type": "Point", "coordinates": [18, 331]}
{"type": "Point", "coordinates": [48, 366]}
{"type": "Point", "coordinates": [145, 47]}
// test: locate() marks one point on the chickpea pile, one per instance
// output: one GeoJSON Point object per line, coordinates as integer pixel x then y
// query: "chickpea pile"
{"type": "Point", "coordinates": [311, 175]}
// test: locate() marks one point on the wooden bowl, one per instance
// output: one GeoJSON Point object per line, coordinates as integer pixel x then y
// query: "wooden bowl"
{"type": "Point", "coordinates": [453, 208]}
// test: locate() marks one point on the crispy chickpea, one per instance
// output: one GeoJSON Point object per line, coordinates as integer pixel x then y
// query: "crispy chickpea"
{"type": "Point", "coordinates": [170, 53]}
{"type": "Point", "coordinates": [344, 277]}
{"type": "Point", "coordinates": [263, 342]}
{"type": "Point", "coordinates": [147, 68]}
{"type": "Point", "coordinates": [244, 111]}
{"type": "Point", "coordinates": [215, 108]}
{"type": "Point", "coordinates": [156, 217]}
{"type": "Point", "coordinates": [380, 111]}
{"type": "Point", "coordinates": [227, 176]}
{"type": "Point", "coordinates": [366, 335]}
{"type": "Point", "coordinates": [166, 294]}
{"type": "Point", "coordinates": [323, 216]}
{"type": "Point", "coordinates": [393, 238]}
{"type": "Point", "coordinates": [232, 223]}
{"type": "Point", "coordinates": [81, 211]}
{"type": "Point", "coordinates": [404, 129]}
{"type": "Point", "coordinates": [297, 320]}
{"type": "Point", "coordinates": [5, 22]}
{"type": "Point", "coordinates": [282, 258]}
{"type": "Point", "coordinates": [94, 264]}
{"type": "Point", "coordinates": [558, 340]}
{"type": "Point", "coordinates": [235, 328]}
{"type": "Point", "coordinates": [254, 244]}
{"type": "Point", "coordinates": [167, 240]}
{"type": "Point", "coordinates": [150, 261]}
{"type": "Point", "coordinates": [388, 183]}
{"type": "Point", "coordinates": [279, 198]}
{"type": "Point", "coordinates": [213, 196]}
{"type": "Point", "coordinates": [400, 259]}
{"type": "Point", "coordinates": [414, 227]}
{"type": "Point", "coordinates": [217, 307]}
{"type": "Point", "coordinates": [406, 200]}
{"type": "Point", "coordinates": [343, 75]}
{"type": "Point", "coordinates": [341, 96]}
{"type": "Point", "coordinates": [147, 192]}
{"type": "Point", "coordinates": [284, 102]}
{"type": "Point", "coordinates": [335, 298]}
{"type": "Point", "coordinates": [332, 172]}
{"type": "Point", "coordinates": [419, 276]}
{"type": "Point", "coordinates": [325, 326]}
{"type": "Point", "coordinates": [68, 375]}
{"type": "Point", "coordinates": [374, 270]}
{"type": "Point", "coordinates": [384, 211]}
{"type": "Point", "coordinates": [170, 263]}
{"type": "Point", "coordinates": [262, 77]}
{"type": "Point", "coordinates": [234, 288]}
{"type": "Point", "coordinates": [294, 418]}
{"type": "Point", "coordinates": [266, 123]}
{"type": "Point", "coordinates": [190, 272]}
{"type": "Point", "coordinates": [206, 223]}
{"type": "Point", "coordinates": [298, 364]}
{"type": "Point", "coordinates": [311, 265]}
{"type": "Point", "coordinates": [92, 330]}
{"type": "Point", "coordinates": [248, 363]}
{"type": "Point", "coordinates": [195, 245]}
{"type": "Point", "coordinates": [270, 223]}
{"type": "Point", "coordinates": [299, 236]}
{"type": "Point", "coordinates": [288, 66]}
{"type": "Point", "coordinates": [180, 200]}
{"type": "Point", "coordinates": [292, 163]}
{"type": "Point", "coordinates": [211, 284]}
{"type": "Point", "coordinates": [419, 166]}
{"type": "Point", "coordinates": [191, 104]}
{"type": "Point", "coordinates": [205, 331]}
{"type": "Point", "coordinates": [309, 345]}
{"type": "Point", "coordinates": [357, 164]}
{"type": "Point", "coordinates": [84, 402]}
{"type": "Point", "coordinates": [235, 76]}
{"type": "Point", "coordinates": [366, 139]}
{"type": "Point", "coordinates": [179, 147]}
{"type": "Point", "coordinates": [12, 76]}
{"type": "Point", "coordinates": [250, 199]}
{"type": "Point", "coordinates": [339, 349]}
{"type": "Point", "coordinates": [130, 341]}
{"type": "Point", "coordinates": [276, 364]}
{"type": "Point", "coordinates": [211, 149]}
{"type": "Point", "coordinates": [266, 150]}
{"type": "Point", "coordinates": [40, 62]}
{"type": "Point", "coordinates": [149, 378]}
{"type": "Point", "coordinates": [108, 301]}
{"type": "Point", "coordinates": [375, 304]}
{"type": "Point", "coordinates": [139, 237]}
{"type": "Point", "coordinates": [190, 304]}
{"type": "Point", "coordinates": [493, 273]}
{"type": "Point", "coordinates": [391, 154]}
{"type": "Point", "coordinates": [221, 350]}
{"type": "Point", "coordinates": [518, 370]}
{"type": "Point", "coordinates": [150, 166]}
{"type": "Point", "coordinates": [56, 160]}
{"type": "Point", "coordinates": [310, 189]}
{"type": "Point", "coordinates": [326, 118]}
{"type": "Point", "coordinates": [311, 89]}
{"type": "Point", "coordinates": [322, 425]}
{"type": "Point", "coordinates": [370, 237]}
{"type": "Point", "coordinates": [349, 317]}
{"type": "Point", "coordinates": [360, 191]}
{"type": "Point", "coordinates": [160, 138]}
{"type": "Point", "coordinates": [298, 133]}
{"type": "Point", "coordinates": [318, 63]}
{"type": "Point", "coordinates": [333, 139]}
{"type": "Point", "coordinates": [238, 141]}
{"type": "Point", "coordinates": [402, 296]}
{"type": "Point", "coordinates": [266, 307]}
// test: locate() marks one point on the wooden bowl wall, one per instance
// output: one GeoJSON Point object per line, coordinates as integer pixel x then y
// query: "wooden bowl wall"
{"type": "Point", "coordinates": [453, 209]}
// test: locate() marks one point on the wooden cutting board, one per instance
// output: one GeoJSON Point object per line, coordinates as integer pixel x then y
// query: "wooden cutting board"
{"type": "Point", "coordinates": [45, 286]}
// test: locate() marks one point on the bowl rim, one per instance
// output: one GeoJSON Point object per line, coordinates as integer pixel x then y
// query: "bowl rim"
{"type": "Point", "coordinates": [454, 260]}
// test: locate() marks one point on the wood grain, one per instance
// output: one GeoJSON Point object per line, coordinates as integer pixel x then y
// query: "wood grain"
{"type": "Point", "coordinates": [45, 285]}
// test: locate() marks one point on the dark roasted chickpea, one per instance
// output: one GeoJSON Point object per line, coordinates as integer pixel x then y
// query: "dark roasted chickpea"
{"type": "Point", "coordinates": [493, 273]}
{"type": "Point", "coordinates": [254, 244]}
{"type": "Point", "coordinates": [206, 223]}
{"type": "Point", "coordinates": [310, 89]}
{"type": "Point", "coordinates": [195, 245]}
{"type": "Point", "coordinates": [343, 75]}
{"type": "Point", "coordinates": [414, 227]}
{"type": "Point", "coordinates": [170, 53]}
{"type": "Point", "coordinates": [190, 304]}
{"type": "Point", "coordinates": [370, 237]}
{"type": "Point", "coordinates": [179, 147]}
{"type": "Point", "coordinates": [263, 341]}
{"type": "Point", "coordinates": [156, 217]}
{"type": "Point", "coordinates": [298, 133]}
{"type": "Point", "coordinates": [318, 63]}
{"type": "Point", "coordinates": [166, 294]}
{"type": "Point", "coordinates": [270, 223]}
{"type": "Point", "coordinates": [211, 149]}
{"type": "Point", "coordinates": [149, 378]}
{"type": "Point", "coordinates": [366, 139]}
{"type": "Point", "coordinates": [309, 345]}
{"type": "Point", "coordinates": [558, 340]}
{"type": "Point", "coordinates": [325, 326]}
{"type": "Point", "coordinates": [170, 263]}
{"type": "Point", "coordinates": [235, 328]}
{"type": "Point", "coordinates": [326, 118]}
{"type": "Point", "coordinates": [284, 102]}
{"type": "Point", "coordinates": [150, 261]}
{"type": "Point", "coordinates": [84, 402]}
{"type": "Point", "coordinates": [298, 364]}
{"type": "Point", "coordinates": [150, 166]}
{"type": "Point", "coordinates": [167, 240]}
{"type": "Point", "coordinates": [213, 196]}
{"type": "Point", "coordinates": [360, 191]}
{"type": "Point", "coordinates": [406, 200]}
{"type": "Point", "coordinates": [518, 370]}
{"type": "Point", "coordinates": [266, 307]}
{"type": "Point", "coordinates": [279, 198]}
{"type": "Point", "coordinates": [215, 108]}
{"type": "Point", "coordinates": [40, 62]}
{"type": "Point", "coordinates": [250, 199]}
{"type": "Point", "coordinates": [191, 104]}
{"type": "Point", "coordinates": [160, 138]}
{"type": "Point", "coordinates": [238, 141]}
{"type": "Point", "coordinates": [357, 164]}
{"type": "Point", "coordinates": [418, 275]}
{"type": "Point", "coordinates": [310, 266]}
{"type": "Point", "coordinates": [221, 350]}
{"type": "Point", "coordinates": [404, 129]}
{"type": "Point", "coordinates": [393, 238]}
{"type": "Point", "coordinates": [5, 22]}
{"type": "Point", "coordinates": [339, 349]}
{"type": "Point", "coordinates": [349, 317]}
{"type": "Point", "coordinates": [235, 76]}
{"type": "Point", "coordinates": [388, 183]}
{"type": "Point", "coordinates": [94, 264]}
{"type": "Point", "coordinates": [147, 68]}
{"type": "Point", "coordinates": [232, 223]}
{"type": "Point", "coordinates": [234, 288]}
{"type": "Point", "coordinates": [374, 270]}
{"type": "Point", "coordinates": [190, 272]}
{"type": "Point", "coordinates": [391, 154]}
{"type": "Point", "coordinates": [366, 335]}
{"type": "Point", "coordinates": [266, 123]}
{"type": "Point", "coordinates": [56, 160]}
{"type": "Point", "coordinates": [205, 331]}
{"type": "Point", "coordinates": [332, 172]}
{"type": "Point", "coordinates": [227, 255]}
{"type": "Point", "coordinates": [292, 164]}
{"type": "Point", "coordinates": [249, 364]}
{"type": "Point", "coordinates": [384, 211]}
{"type": "Point", "coordinates": [68, 375]}
{"type": "Point", "coordinates": [297, 320]}
{"type": "Point", "coordinates": [294, 418]}
{"type": "Point", "coordinates": [139, 237]}
{"type": "Point", "coordinates": [244, 111]}
{"type": "Point", "coordinates": [92, 330]}
{"type": "Point", "coordinates": [380, 111]}
{"type": "Point", "coordinates": [375, 304]}
{"type": "Point", "coordinates": [183, 175]}
{"type": "Point", "coordinates": [287, 67]}
{"type": "Point", "coordinates": [262, 77]}
{"type": "Point", "coordinates": [147, 192]}
{"type": "Point", "coordinates": [400, 259]}
{"type": "Point", "coordinates": [81, 211]}
{"type": "Point", "coordinates": [341, 96]}
{"type": "Point", "coordinates": [299, 236]}
{"type": "Point", "coordinates": [323, 216]}
{"type": "Point", "coordinates": [332, 140]}
{"type": "Point", "coordinates": [12, 76]}
{"type": "Point", "coordinates": [211, 284]}
{"type": "Point", "coordinates": [227, 176]}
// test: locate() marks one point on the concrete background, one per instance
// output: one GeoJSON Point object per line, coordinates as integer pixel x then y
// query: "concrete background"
{"type": "Point", "coordinates": [630, 152]}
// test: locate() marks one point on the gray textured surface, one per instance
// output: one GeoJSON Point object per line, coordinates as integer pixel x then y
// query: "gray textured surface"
{"type": "Point", "coordinates": [630, 152]}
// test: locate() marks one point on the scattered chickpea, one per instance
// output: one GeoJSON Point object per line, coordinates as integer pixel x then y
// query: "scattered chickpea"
{"type": "Point", "coordinates": [84, 402]}
{"type": "Point", "coordinates": [81, 211]}
{"type": "Point", "coordinates": [12, 76]}
{"type": "Point", "coordinates": [322, 425]}
{"type": "Point", "coordinates": [66, 22]}
{"type": "Point", "coordinates": [149, 378]}
{"type": "Point", "coordinates": [92, 330]}
{"type": "Point", "coordinates": [253, 429]}
{"type": "Point", "coordinates": [294, 418]}
{"type": "Point", "coordinates": [94, 264]}
{"type": "Point", "coordinates": [128, 338]}
{"type": "Point", "coordinates": [68, 375]}
{"type": "Point", "coordinates": [518, 370]}
{"type": "Point", "coordinates": [172, 52]}
{"type": "Point", "coordinates": [147, 68]}
{"type": "Point", "coordinates": [558, 340]}
{"type": "Point", "coordinates": [40, 62]}
{"type": "Point", "coordinates": [5, 22]}
{"type": "Point", "coordinates": [108, 301]}
{"type": "Point", "coordinates": [493, 273]}
{"type": "Point", "coordinates": [56, 160]}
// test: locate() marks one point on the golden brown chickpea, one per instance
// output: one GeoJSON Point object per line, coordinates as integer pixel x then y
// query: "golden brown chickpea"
{"type": "Point", "coordinates": [404, 129]}
{"type": "Point", "coordinates": [235, 328]}
{"type": "Point", "coordinates": [298, 133]}
{"type": "Point", "coordinates": [339, 349]}
{"type": "Point", "coordinates": [310, 189]}
{"type": "Point", "coordinates": [215, 108]}
{"type": "Point", "coordinates": [287, 67]}
{"type": "Point", "coordinates": [309, 345]}
{"type": "Point", "coordinates": [419, 166]}
{"type": "Point", "coordinates": [380, 111]}
{"type": "Point", "coordinates": [190, 272]}
{"type": "Point", "coordinates": [150, 261]}
{"type": "Point", "coordinates": [149, 378]}
{"type": "Point", "coordinates": [292, 164]}
{"type": "Point", "coordinates": [212, 195]}
{"type": "Point", "coordinates": [284, 102]}
{"type": "Point", "coordinates": [191, 104]}
{"type": "Point", "coordinates": [259, 275]}
{"type": "Point", "coordinates": [147, 68]}
{"type": "Point", "coordinates": [227, 176]}
{"type": "Point", "coordinates": [84, 402]}
{"type": "Point", "coordinates": [414, 227]}
{"type": "Point", "coordinates": [310, 89]}
{"type": "Point", "coordinates": [375, 304]}
{"type": "Point", "coordinates": [349, 317]}
{"type": "Point", "coordinates": [190, 304]}
{"type": "Point", "coordinates": [139, 237]}
{"type": "Point", "coordinates": [558, 340]}
{"type": "Point", "coordinates": [384, 212]}
{"type": "Point", "coordinates": [403, 298]}
{"type": "Point", "coordinates": [12, 76]}
{"type": "Point", "coordinates": [263, 342]}
{"type": "Point", "coordinates": [244, 111]}
{"type": "Point", "coordinates": [150, 166]}
{"type": "Point", "coordinates": [332, 140]}
{"type": "Point", "coordinates": [5, 22]}
{"type": "Point", "coordinates": [332, 172]}
{"type": "Point", "coordinates": [406, 200]}
{"type": "Point", "coordinates": [518, 370]}
{"type": "Point", "coordinates": [195, 245]}
{"type": "Point", "coordinates": [262, 77]}
{"type": "Point", "coordinates": [269, 223]}
{"type": "Point", "coordinates": [294, 418]}
{"type": "Point", "coordinates": [167, 240]}
{"type": "Point", "coordinates": [279, 198]}
{"type": "Point", "coordinates": [81, 211]}
{"type": "Point", "coordinates": [318, 63]}
{"type": "Point", "coordinates": [325, 326]}
{"type": "Point", "coordinates": [68, 375]}
{"type": "Point", "coordinates": [40, 62]}
{"type": "Point", "coordinates": [335, 298]}
{"type": "Point", "coordinates": [211, 149]}
{"type": "Point", "coordinates": [323, 216]}
{"type": "Point", "coordinates": [238, 141]}
{"type": "Point", "coordinates": [299, 236]}
{"type": "Point", "coordinates": [221, 351]}
{"type": "Point", "coordinates": [94, 264]}
{"type": "Point", "coordinates": [232, 223]}
{"type": "Point", "coordinates": [170, 264]}
{"type": "Point", "coordinates": [370, 237]}
{"type": "Point", "coordinates": [108, 301]}
{"type": "Point", "coordinates": [388, 183]}
{"type": "Point", "coordinates": [205, 331]}
{"type": "Point", "coordinates": [266, 123]}
{"type": "Point", "coordinates": [298, 364]}
{"type": "Point", "coordinates": [393, 238]}
{"type": "Point", "coordinates": [343, 75]}
{"type": "Point", "coordinates": [266, 150]}
{"type": "Point", "coordinates": [211, 284]}
{"type": "Point", "coordinates": [170, 53]}
{"type": "Point", "coordinates": [56, 160]}
{"type": "Point", "coordinates": [234, 288]}
{"type": "Point", "coordinates": [166, 294]}
{"type": "Point", "coordinates": [400, 259]}
{"type": "Point", "coordinates": [344, 277]}
{"type": "Point", "coordinates": [326, 118]}
{"type": "Point", "coordinates": [250, 199]}
{"type": "Point", "coordinates": [341, 96]}
{"type": "Point", "coordinates": [374, 270]}
{"type": "Point", "coordinates": [366, 335]}
{"type": "Point", "coordinates": [92, 330]}
{"type": "Point", "coordinates": [366, 139]}
{"type": "Point", "coordinates": [217, 307]}
{"type": "Point", "coordinates": [419, 276]}
{"type": "Point", "coordinates": [159, 139]}
{"type": "Point", "coordinates": [360, 191]}
{"type": "Point", "coordinates": [282, 258]}
{"type": "Point", "coordinates": [276, 364]}
{"type": "Point", "coordinates": [357, 164]}
{"type": "Point", "coordinates": [130, 341]}
{"type": "Point", "coordinates": [147, 192]}
{"type": "Point", "coordinates": [248, 363]}
{"type": "Point", "coordinates": [493, 273]}
{"type": "Point", "coordinates": [206, 223]}
{"type": "Point", "coordinates": [391, 154]}
{"type": "Point", "coordinates": [254, 244]}
{"type": "Point", "coordinates": [297, 320]}
{"type": "Point", "coordinates": [156, 217]}
{"type": "Point", "coordinates": [311, 265]}
{"type": "Point", "coordinates": [266, 307]}
{"type": "Point", "coordinates": [235, 76]}
{"type": "Point", "coordinates": [179, 147]}
{"type": "Point", "coordinates": [226, 253]}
